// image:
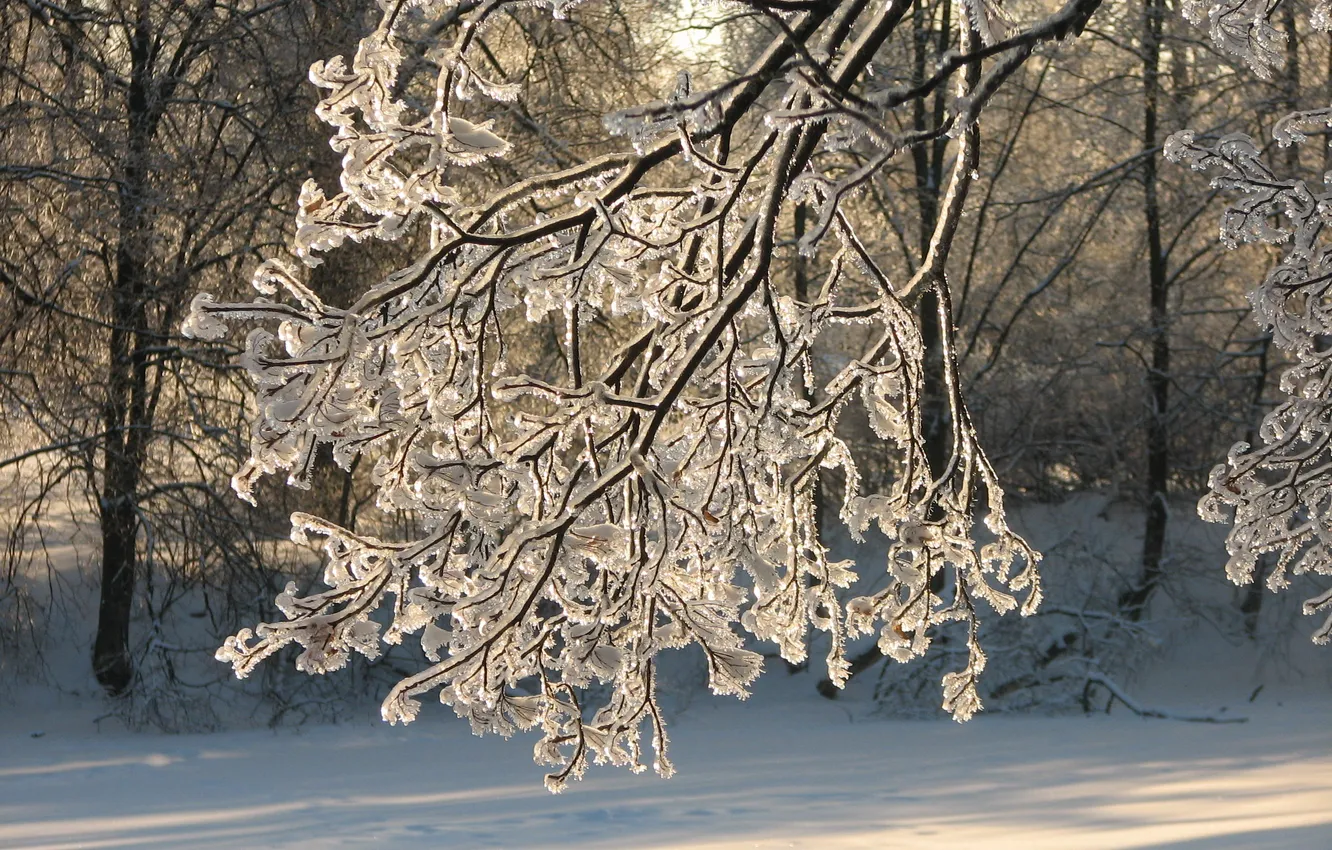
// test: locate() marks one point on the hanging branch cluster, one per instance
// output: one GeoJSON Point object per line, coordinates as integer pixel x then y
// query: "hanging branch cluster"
{"type": "Point", "coordinates": [654, 488]}
{"type": "Point", "coordinates": [1281, 489]}
{"type": "Point", "coordinates": [1244, 29]}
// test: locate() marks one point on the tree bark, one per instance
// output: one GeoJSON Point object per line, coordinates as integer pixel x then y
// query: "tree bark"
{"type": "Point", "coordinates": [126, 414]}
{"type": "Point", "coordinates": [929, 167]}
{"type": "Point", "coordinates": [1134, 601]}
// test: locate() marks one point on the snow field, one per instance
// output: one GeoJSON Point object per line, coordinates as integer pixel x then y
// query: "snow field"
{"type": "Point", "coordinates": [786, 769]}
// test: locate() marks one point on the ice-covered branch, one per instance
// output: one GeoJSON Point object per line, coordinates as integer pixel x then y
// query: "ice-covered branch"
{"type": "Point", "coordinates": [592, 389]}
{"type": "Point", "coordinates": [1280, 490]}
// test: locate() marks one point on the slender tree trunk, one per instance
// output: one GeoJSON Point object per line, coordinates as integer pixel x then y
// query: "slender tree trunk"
{"type": "Point", "coordinates": [126, 413]}
{"type": "Point", "coordinates": [929, 168]}
{"type": "Point", "coordinates": [111, 657]}
{"type": "Point", "coordinates": [1134, 601]}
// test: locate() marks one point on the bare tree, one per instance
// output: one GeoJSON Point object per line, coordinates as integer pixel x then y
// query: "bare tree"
{"type": "Point", "coordinates": [144, 148]}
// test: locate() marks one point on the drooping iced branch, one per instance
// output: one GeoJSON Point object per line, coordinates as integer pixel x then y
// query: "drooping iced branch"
{"type": "Point", "coordinates": [1118, 693]}
{"type": "Point", "coordinates": [651, 486]}
{"type": "Point", "coordinates": [1281, 489]}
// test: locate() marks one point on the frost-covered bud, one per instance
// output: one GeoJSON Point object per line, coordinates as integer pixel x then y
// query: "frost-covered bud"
{"type": "Point", "coordinates": [920, 534]}
{"type": "Point", "coordinates": [201, 323]}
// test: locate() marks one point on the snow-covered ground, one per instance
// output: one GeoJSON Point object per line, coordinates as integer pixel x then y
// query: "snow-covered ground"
{"type": "Point", "coordinates": [786, 769]}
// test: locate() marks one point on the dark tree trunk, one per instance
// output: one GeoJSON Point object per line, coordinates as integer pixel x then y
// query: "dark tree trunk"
{"type": "Point", "coordinates": [1134, 601]}
{"type": "Point", "coordinates": [126, 409]}
{"type": "Point", "coordinates": [111, 655]}
{"type": "Point", "coordinates": [929, 167]}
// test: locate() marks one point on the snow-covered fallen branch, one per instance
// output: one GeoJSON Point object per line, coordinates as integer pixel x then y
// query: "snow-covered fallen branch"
{"type": "Point", "coordinates": [1117, 693]}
